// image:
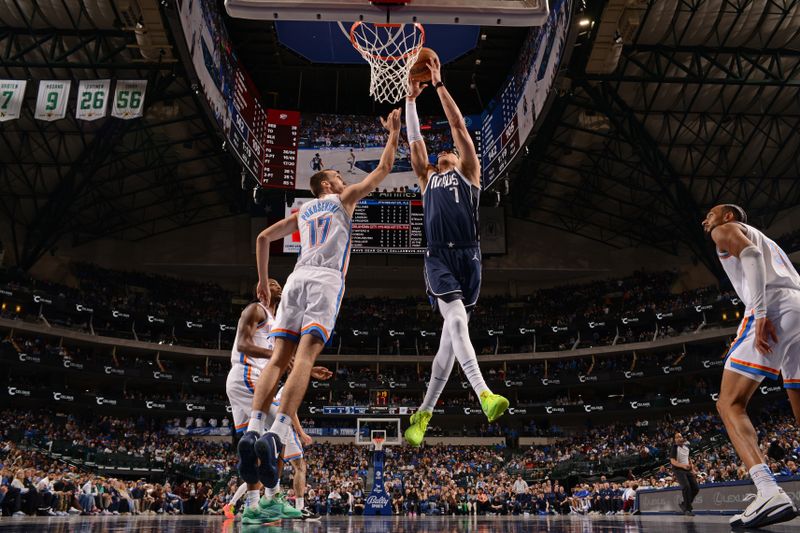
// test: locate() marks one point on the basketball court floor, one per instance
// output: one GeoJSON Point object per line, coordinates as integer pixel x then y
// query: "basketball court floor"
{"type": "Point", "coordinates": [359, 524]}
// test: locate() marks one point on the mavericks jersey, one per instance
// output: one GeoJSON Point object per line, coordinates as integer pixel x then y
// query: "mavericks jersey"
{"type": "Point", "coordinates": [260, 338]}
{"type": "Point", "coordinates": [781, 274]}
{"type": "Point", "coordinates": [324, 234]}
{"type": "Point", "coordinates": [450, 210]}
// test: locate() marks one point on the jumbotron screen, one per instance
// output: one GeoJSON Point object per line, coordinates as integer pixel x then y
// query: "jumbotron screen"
{"type": "Point", "coordinates": [389, 223]}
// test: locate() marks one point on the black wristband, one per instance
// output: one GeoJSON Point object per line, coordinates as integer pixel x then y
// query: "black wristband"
{"type": "Point", "coordinates": [437, 85]}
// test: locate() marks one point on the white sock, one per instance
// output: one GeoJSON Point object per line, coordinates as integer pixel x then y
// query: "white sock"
{"type": "Point", "coordinates": [765, 481]}
{"type": "Point", "coordinates": [239, 493]}
{"type": "Point", "coordinates": [440, 372]}
{"type": "Point", "coordinates": [256, 422]}
{"type": "Point", "coordinates": [300, 503]}
{"type": "Point", "coordinates": [251, 500]}
{"type": "Point", "coordinates": [282, 426]}
{"type": "Point", "coordinates": [456, 320]}
{"type": "Point", "coordinates": [270, 493]}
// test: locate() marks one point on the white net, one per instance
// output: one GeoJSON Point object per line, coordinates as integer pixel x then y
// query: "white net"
{"type": "Point", "coordinates": [391, 50]}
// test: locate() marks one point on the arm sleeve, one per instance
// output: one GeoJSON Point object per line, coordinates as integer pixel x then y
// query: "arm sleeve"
{"type": "Point", "coordinates": [755, 275]}
{"type": "Point", "coordinates": [412, 122]}
{"type": "Point", "coordinates": [673, 452]}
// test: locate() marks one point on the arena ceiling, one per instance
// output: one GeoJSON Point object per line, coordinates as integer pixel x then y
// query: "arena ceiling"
{"type": "Point", "coordinates": [701, 106]}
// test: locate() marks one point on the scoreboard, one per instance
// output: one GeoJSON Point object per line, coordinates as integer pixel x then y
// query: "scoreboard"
{"type": "Point", "coordinates": [383, 223]}
{"type": "Point", "coordinates": [281, 137]}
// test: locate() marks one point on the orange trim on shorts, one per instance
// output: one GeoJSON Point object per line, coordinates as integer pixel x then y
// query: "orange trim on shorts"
{"type": "Point", "coordinates": [754, 365]}
{"type": "Point", "coordinates": [791, 380]}
{"type": "Point", "coordinates": [279, 330]}
{"type": "Point", "coordinates": [242, 425]}
{"type": "Point", "coordinates": [320, 326]}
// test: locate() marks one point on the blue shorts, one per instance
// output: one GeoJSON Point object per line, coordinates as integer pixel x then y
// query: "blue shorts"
{"type": "Point", "coordinates": [453, 274]}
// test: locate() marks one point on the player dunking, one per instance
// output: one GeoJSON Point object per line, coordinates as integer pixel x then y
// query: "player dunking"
{"type": "Point", "coordinates": [450, 194]}
{"type": "Point", "coordinates": [251, 351]}
{"type": "Point", "coordinates": [310, 303]}
{"type": "Point", "coordinates": [768, 343]}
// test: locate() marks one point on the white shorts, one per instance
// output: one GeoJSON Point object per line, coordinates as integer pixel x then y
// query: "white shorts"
{"type": "Point", "coordinates": [240, 387]}
{"type": "Point", "coordinates": [309, 304]}
{"type": "Point", "coordinates": [743, 358]}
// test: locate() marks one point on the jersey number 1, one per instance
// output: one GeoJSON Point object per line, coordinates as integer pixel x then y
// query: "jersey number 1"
{"type": "Point", "coordinates": [321, 224]}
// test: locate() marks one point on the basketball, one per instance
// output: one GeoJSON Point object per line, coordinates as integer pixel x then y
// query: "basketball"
{"type": "Point", "coordinates": [420, 71]}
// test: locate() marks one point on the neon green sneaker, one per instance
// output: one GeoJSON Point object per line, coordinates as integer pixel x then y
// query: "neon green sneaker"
{"type": "Point", "coordinates": [280, 507]}
{"type": "Point", "coordinates": [493, 405]}
{"type": "Point", "coordinates": [258, 515]}
{"type": "Point", "coordinates": [419, 424]}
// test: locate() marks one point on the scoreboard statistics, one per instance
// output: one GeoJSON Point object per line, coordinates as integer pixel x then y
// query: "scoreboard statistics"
{"type": "Point", "coordinates": [281, 137]}
{"type": "Point", "coordinates": [384, 223]}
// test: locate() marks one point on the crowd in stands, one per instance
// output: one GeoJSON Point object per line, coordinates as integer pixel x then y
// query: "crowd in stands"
{"type": "Point", "coordinates": [162, 296]}
{"type": "Point", "coordinates": [441, 479]}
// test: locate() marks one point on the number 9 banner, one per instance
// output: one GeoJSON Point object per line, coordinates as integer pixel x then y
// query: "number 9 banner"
{"type": "Point", "coordinates": [129, 99]}
{"type": "Point", "coordinates": [92, 99]}
{"type": "Point", "coordinates": [51, 103]}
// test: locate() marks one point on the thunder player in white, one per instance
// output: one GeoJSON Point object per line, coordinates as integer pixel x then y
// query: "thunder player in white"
{"type": "Point", "coordinates": [310, 301]}
{"type": "Point", "coordinates": [768, 344]}
{"type": "Point", "coordinates": [252, 348]}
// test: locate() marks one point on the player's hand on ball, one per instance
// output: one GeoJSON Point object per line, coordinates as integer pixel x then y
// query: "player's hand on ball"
{"type": "Point", "coordinates": [320, 373]}
{"type": "Point", "coordinates": [392, 121]}
{"type": "Point", "coordinates": [263, 294]}
{"type": "Point", "coordinates": [436, 70]}
{"type": "Point", "coordinates": [415, 88]}
{"type": "Point", "coordinates": [765, 334]}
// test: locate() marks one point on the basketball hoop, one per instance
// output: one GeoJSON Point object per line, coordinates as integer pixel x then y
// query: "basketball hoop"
{"type": "Point", "coordinates": [391, 50]}
{"type": "Point", "coordinates": [377, 443]}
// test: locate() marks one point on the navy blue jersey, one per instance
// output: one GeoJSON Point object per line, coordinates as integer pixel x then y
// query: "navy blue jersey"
{"type": "Point", "coordinates": [450, 206]}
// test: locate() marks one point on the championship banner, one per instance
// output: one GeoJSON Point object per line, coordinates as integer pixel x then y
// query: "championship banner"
{"type": "Point", "coordinates": [12, 92]}
{"type": "Point", "coordinates": [51, 104]}
{"type": "Point", "coordinates": [129, 99]}
{"type": "Point", "coordinates": [92, 99]}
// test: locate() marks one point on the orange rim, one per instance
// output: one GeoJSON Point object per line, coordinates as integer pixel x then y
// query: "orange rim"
{"type": "Point", "coordinates": [361, 50]}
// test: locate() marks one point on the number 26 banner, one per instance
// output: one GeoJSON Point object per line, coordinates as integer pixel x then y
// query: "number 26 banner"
{"type": "Point", "coordinates": [129, 99]}
{"type": "Point", "coordinates": [92, 99]}
{"type": "Point", "coordinates": [51, 104]}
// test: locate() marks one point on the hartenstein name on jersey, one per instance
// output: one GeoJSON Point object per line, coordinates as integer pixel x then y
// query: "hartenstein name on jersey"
{"type": "Point", "coordinates": [443, 180]}
{"type": "Point", "coordinates": [318, 207]}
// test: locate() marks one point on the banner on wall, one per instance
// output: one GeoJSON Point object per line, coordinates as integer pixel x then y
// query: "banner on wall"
{"type": "Point", "coordinates": [12, 92]}
{"type": "Point", "coordinates": [129, 99]}
{"type": "Point", "coordinates": [92, 100]}
{"type": "Point", "coordinates": [51, 103]}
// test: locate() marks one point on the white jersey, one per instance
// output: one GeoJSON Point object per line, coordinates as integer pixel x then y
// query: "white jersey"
{"type": "Point", "coordinates": [260, 338]}
{"type": "Point", "coordinates": [781, 274]}
{"type": "Point", "coordinates": [324, 234]}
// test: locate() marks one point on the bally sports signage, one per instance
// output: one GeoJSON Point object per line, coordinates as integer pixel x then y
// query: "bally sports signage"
{"type": "Point", "coordinates": [378, 500]}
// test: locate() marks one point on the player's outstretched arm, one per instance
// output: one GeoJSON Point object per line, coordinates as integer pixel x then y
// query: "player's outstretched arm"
{"type": "Point", "coordinates": [470, 165]}
{"type": "Point", "coordinates": [356, 192]}
{"type": "Point", "coordinates": [730, 238]}
{"type": "Point", "coordinates": [419, 152]}
{"type": "Point", "coordinates": [248, 324]}
{"type": "Point", "coordinates": [279, 230]}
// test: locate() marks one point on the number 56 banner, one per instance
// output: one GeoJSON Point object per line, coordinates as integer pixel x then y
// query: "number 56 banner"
{"type": "Point", "coordinates": [92, 99]}
{"type": "Point", "coordinates": [51, 104]}
{"type": "Point", "coordinates": [129, 99]}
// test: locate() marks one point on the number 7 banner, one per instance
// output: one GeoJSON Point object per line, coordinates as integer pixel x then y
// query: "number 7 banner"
{"type": "Point", "coordinates": [12, 92]}
{"type": "Point", "coordinates": [92, 99]}
{"type": "Point", "coordinates": [51, 104]}
{"type": "Point", "coordinates": [129, 99]}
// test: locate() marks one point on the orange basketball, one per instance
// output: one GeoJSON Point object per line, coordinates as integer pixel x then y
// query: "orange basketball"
{"type": "Point", "coordinates": [419, 70]}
